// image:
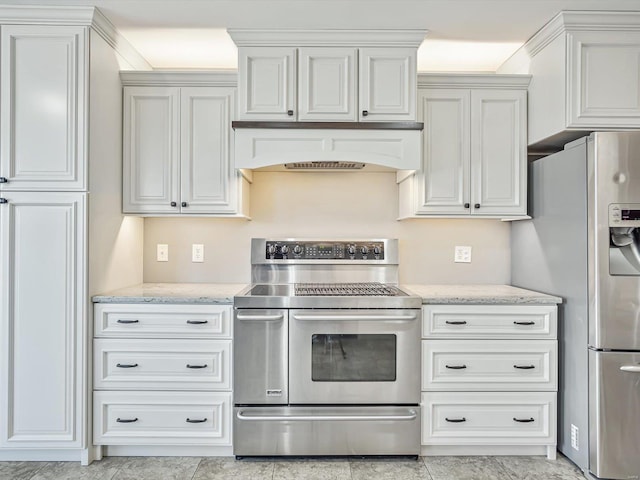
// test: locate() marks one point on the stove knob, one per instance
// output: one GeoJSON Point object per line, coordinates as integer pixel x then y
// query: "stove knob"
{"type": "Point", "coordinates": [364, 249]}
{"type": "Point", "coordinates": [297, 249]}
{"type": "Point", "coordinates": [284, 249]}
{"type": "Point", "coordinates": [376, 250]}
{"type": "Point", "coordinates": [351, 249]}
{"type": "Point", "coordinates": [271, 249]}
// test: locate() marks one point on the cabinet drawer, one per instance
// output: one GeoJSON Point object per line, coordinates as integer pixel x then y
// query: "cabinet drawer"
{"type": "Point", "coordinates": [161, 418]}
{"type": "Point", "coordinates": [162, 364]}
{"type": "Point", "coordinates": [496, 365]}
{"type": "Point", "coordinates": [489, 418]}
{"type": "Point", "coordinates": [489, 321]}
{"type": "Point", "coordinates": [161, 320]}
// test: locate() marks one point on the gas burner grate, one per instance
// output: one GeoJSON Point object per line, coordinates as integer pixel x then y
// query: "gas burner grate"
{"type": "Point", "coordinates": [345, 289]}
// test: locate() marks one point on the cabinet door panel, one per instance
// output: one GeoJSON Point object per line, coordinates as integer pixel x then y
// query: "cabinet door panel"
{"type": "Point", "coordinates": [327, 83]}
{"type": "Point", "coordinates": [43, 110]}
{"type": "Point", "coordinates": [604, 79]}
{"type": "Point", "coordinates": [388, 84]}
{"type": "Point", "coordinates": [41, 318]}
{"type": "Point", "coordinates": [151, 168]}
{"type": "Point", "coordinates": [266, 77]}
{"type": "Point", "coordinates": [498, 152]}
{"type": "Point", "coordinates": [207, 177]}
{"type": "Point", "coordinates": [444, 179]}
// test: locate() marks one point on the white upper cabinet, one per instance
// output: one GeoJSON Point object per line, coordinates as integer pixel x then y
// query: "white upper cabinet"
{"type": "Point", "coordinates": [42, 94]}
{"type": "Point", "coordinates": [474, 148]}
{"type": "Point", "coordinates": [178, 149]}
{"type": "Point", "coordinates": [387, 84]}
{"type": "Point", "coordinates": [267, 77]}
{"type": "Point", "coordinates": [585, 69]}
{"type": "Point", "coordinates": [327, 75]}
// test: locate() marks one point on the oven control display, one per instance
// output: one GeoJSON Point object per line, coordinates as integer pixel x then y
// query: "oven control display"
{"type": "Point", "coordinates": [276, 250]}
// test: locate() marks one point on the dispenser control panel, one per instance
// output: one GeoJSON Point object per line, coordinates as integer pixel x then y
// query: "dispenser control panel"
{"type": "Point", "coordinates": [624, 215]}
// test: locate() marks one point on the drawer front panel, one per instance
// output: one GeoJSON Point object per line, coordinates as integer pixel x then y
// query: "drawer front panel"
{"type": "Point", "coordinates": [161, 418]}
{"type": "Point", "coordinates": [162, 321]}
{"type": "Point", "coordinates": [489, 321]}
{"type": "Point", "coordinates": [500, 418]}
{"type": "Point", "coordinates": [498, 365]}
{"type": "Point", "coordinates": [162, 364]}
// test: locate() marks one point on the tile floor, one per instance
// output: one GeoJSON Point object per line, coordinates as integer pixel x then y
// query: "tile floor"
{"type": "Point", "coordinates": [195, 468]}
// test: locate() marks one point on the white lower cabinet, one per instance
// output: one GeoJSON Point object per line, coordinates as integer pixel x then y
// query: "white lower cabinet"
{"type": "Point", "coordinates": [489, 379]}
{"type": "Point", "coordinates": [162, 375]}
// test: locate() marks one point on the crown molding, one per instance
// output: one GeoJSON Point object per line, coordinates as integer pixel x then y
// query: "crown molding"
{"type": "Point", "coordinates": [244, 37]}
{"type": "Point", "coordinates": [184, 78]}
{"type": "Point", "coordinates": [473, 80]}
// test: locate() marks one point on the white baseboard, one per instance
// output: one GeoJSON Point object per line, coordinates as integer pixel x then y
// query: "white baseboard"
{"type": "Point", "coordinates": [44, 455]}
{"type": "Point", "coordinates": [166, 451]}
{"type": "Point", "coordinates": [472, 450]}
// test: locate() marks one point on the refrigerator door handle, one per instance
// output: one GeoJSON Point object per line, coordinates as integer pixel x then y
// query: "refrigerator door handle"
{"type": "Point", "coordinates": [630, 368]}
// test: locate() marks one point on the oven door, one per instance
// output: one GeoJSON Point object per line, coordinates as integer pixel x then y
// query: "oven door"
{"type": "Point", "coordinates": [354, 356]}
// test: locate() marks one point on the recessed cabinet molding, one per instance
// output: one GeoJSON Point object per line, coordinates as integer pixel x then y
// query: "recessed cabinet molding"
{"type": "Point", "coordinates": [585, 69]}
{"type": "Point", "coordinates": [178, 146]}
{"type": "Point", "coordinates": [327, 75]}
{"type": "Point", "coordinates": [474, 148]}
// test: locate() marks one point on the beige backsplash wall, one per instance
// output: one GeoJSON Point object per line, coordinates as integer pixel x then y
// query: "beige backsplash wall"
{"type": "Point", "coordinates": [326, 205]}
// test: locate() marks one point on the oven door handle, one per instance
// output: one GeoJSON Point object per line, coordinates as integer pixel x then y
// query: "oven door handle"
{"type": "Point", "coordinates": [346, 317]}
{"type": "Point", "coordinates": [411, 415]}
{"type": "Point", "coordinates": [259, 318]}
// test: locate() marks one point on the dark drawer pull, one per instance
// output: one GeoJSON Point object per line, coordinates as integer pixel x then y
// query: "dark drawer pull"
{"type": "Point", "coordinates": [477, 205]}
{"type": "Point", "coordinates": [197, 322]}
{"type": "Point", "coordinates": [126, 365]}
{"type": "Point", "coordinates": [126, 420]}
{"type": "Point", "coordinates": [455, 322]}
{"type": "Point", "coordinates": [4, 180]}
{"type": "Point", "coordinates": [524, 323]}
{"type": "Point", "coordinates": [189, 420]}
{"type": "Point", "coordinates": [456, 367]}
{"type": "Point", "coordinates": [174, 204]}
{"type": "Point", "coordinates": [455, 420]}
{"type": "Point", "coordinates": [197, 366]}
{"type": "Point", "coordinates": [290, 113]}
{"type": "Point", "coordinates": [523, 420]}
{"type": "Point", "coordinates": [466, 205]}
{"type": "Point", "coordinates": [3, 201]}
{"type": "Point", "coordinates": [127, 321]}
{"type": "Point", "coordinates": [525, 367]}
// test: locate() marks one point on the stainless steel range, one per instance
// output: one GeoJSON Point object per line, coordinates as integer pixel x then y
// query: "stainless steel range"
{"type": "Point", "coordinates": [326, 351]}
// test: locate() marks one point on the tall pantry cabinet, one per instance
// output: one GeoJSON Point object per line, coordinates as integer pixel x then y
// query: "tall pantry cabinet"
{"type": "Point", "coordinates": [62, 234]}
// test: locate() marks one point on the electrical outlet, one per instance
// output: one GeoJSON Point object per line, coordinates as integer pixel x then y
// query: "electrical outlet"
{"type": "Point", "coordinates": [197, 253]}
{"type": "Point", "coordinates": [162, 252]}
{"type": "Point", "coordinates": [574, 437]}
{"type": "Point", "coordinates": [462, 254]}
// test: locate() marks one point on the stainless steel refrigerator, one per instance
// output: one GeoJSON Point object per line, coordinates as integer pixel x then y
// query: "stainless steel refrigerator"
{"type": "Point", "coordinates": [583, 244]}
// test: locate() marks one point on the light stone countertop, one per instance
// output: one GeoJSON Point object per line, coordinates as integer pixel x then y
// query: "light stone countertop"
{"type": "Point", "coordinates": [213, 293]}
{"type": "Point", "coordinates": [480, 294]}
{"type": "Point", "coordinates": [223, 293]}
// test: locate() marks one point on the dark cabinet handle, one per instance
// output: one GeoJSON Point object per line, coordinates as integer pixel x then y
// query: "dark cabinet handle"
{"type": "Point", "coordinates": [127, 321]}
{"type": "Point", "coordinates": [290, 113]}
{"type": "Point", "coordinates": [126, 365]}
{"type": "Point", "coordinates": [523, 420]}
{"type": "Point", "coordinates": [456, 367]}
{"type": "Point", "coordinates": [197, 322]}
{"type": "Point", "coordinates": [197, 366]}
{"type": "Point", "coordinates": [174, 204]}
{"type": "Point", "coordinates": [3, 200]}
{"type": "Point", "coordinates": [365, 113]}
{"type": "Point", "coordinates": [189, 420]}
{"type": "Point", "coordinates": [184, 204]}
{"type": "Point", "coordinates": [476, 205]}
{"type": "Point", "coordinates": [4, 180]}
{"type": "Point", "coordinates": [455, 420]}
{"type": "Point", "coordinates": [524, 323]}
{"type": "Point", "coordinates": [467, 205]}
{"type": "Point", "coordinates": [525, 367]}
{"type": "Point", "coordinates": [455, 322]}
{"type": "Point", "coordinates": [126, 420]}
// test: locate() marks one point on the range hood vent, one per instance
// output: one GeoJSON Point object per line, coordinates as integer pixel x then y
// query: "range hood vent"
{"type": "Point", "coordinates": [324, 165]}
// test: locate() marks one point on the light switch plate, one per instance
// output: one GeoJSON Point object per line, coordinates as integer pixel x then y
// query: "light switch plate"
{"type": "Point", "coordinates": [162, 252]}
{"type": "Point", "coordinates": [462, 254]}
{"type": "Point", "coordinates": [197, 253]}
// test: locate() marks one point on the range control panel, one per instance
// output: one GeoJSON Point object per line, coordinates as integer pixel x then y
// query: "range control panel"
{"type": "Point", "coordinates": [330, 250]}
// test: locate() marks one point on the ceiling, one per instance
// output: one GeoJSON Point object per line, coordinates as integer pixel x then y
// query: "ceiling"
{"type": "Point", "coordinates": [464, 35]}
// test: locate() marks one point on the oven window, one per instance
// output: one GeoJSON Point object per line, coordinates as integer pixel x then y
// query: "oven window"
{"type": "Point", "coordinates": [353, 358]}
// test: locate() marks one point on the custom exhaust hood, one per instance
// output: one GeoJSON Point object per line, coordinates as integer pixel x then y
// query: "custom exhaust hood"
{"type": "Point", "coordinates": [327, 99]}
